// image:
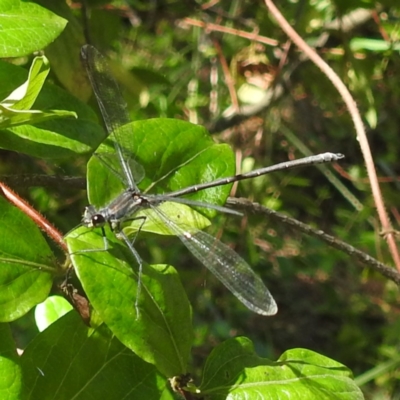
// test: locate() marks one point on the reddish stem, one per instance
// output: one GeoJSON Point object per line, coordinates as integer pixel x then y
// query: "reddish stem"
{"type": "Point", "coordinates": [34, 215]}
{"type": "Point", "coordinates": [224, 29]}
{"type": "Point", "coordinates": [357, 121]}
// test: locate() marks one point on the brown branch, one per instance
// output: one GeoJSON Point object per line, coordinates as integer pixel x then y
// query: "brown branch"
{"type": "Point", "coordinates": [247, 205]}
{"type": "Point", "coordinates": [357, 121]}
{"type": "Point", "coordinates": [237, 32]}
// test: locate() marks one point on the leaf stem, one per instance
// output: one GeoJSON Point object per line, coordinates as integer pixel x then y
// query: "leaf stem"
{"type": "Point", "coordinates": [51, 231]}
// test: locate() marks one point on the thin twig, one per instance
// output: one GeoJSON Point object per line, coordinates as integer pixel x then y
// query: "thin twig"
{"type": "Point", "coordinates": [237, 32]}
{"type": "Point", "coordinates": [357, 121]}
{"type": "Point", "coordinates": [247, 205]}
{"type": "Point", "coordinates": [247, 111]}
{"type": "Point", "coordinates": [34, 215]}
{"type": "Point", "coordinates": [228, 77]}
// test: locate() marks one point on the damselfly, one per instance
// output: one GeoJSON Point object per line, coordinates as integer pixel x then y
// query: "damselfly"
{"type": "Point", "coordinates": [222, 261]}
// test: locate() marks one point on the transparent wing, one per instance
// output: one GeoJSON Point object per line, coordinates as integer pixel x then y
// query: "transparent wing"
{"type": "Point", "coordinates": [115, 115]}
{"type": "Point", "coordinates": [225, 264]}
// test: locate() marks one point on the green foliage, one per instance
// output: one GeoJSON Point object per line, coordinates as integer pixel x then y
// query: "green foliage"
{"type": "Point", "coordinates": [233, 368]}
{"type": "Point", "coordinates": [156, 334]}
{"type": "Point", "coordinates": [26, 264]}
{"type": "Point", "coordinates": [20, 21]}
{"type": "Point", "coordinates": [53, 308]}
{"type": "Point", "coordinates": [180, 323]}
{"type": "Point", "coordinates": [71, 360]}
{"type": "Point", "coordinates": [11, 382]}
{"type": "Point", "coordinates": [182, 155]}
{"type": "Point", "coordinates": [15, 109]}
{"type": "Point", "coordinates": [37, 132]}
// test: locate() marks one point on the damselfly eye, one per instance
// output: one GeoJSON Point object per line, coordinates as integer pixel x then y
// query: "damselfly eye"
{"type": "Point", "coordinates": [98, 220]}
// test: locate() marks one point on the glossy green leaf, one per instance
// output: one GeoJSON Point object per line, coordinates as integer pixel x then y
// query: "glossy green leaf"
{"type": "Point", "coordinates": [161, 334]}
{"type": "Point", "coordinates": [177, 213]}
{"type": "Point", "coordinates": [10, 370]}
{"type": "Point", "coordinates": [167, 395]}
{"type": "Point", "coordinates": [71, 361]}
{"type": "Point", "coordinates": [25, 95]}
{"type": "Point", "coordinates": [26, 263]}
{"type": "Point", "coordinates": [234, 370]}
{"type": "Point", "coordinates": [15, 109]}
{"type": "Point", "coordinates": [54, 138]}
{"type": "Point", "coordinates": [21, 22]}
{"type": "Point", "coordinates": [53, 308]}
{"type": "Point", "coordinates": [14, 118]}
{"type": "Point", "coordinates": [174, 154]}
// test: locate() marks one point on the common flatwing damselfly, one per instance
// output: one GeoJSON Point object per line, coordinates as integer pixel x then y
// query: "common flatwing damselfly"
{"type": "Point", "coordinates": [221, 260]}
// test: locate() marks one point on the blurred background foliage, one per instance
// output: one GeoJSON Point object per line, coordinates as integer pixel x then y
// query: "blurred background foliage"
{"type": "Point", "coordinates": [170, 64]}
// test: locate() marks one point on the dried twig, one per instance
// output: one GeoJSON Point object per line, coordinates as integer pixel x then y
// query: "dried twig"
{"type": "Point", "coordinates": [247, 205]}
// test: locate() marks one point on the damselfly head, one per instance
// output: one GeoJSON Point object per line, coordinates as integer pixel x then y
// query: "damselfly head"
{"type": "Point", "coordinates": [92, 219]}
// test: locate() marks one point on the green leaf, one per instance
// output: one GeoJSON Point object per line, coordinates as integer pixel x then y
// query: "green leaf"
{"type": "Point", "coordinates": [71, 361]}
{"type": "Point", "coordinates": [21, 22]}
{"type": "Point", "coordinates": [15, 109]}
{"type": "Point", "coordinates": [61, 137]}
{"type": "Point", "coordinates": [167, 395]}
{"type": "Point", "coordinates": [26, 267]}
{"type": "Point", "coordinates": [234, 370]}
{"type": "Point", "coordinates": [52, 139]}
{"type": "Point", "coordinates": [64, 52]}
{"type": "Point", "coordinates": [24, 96]}
{"type": "Point", "coordinates": [176, 213]}
{"type": "Point", "coordinates": [10, 370]}
{"type": "Point", "coordinates": [174, 154]}
{"type": "Point", "coordinates": [162, 333]}
{"type": "Point", "coordinates": [52, 309]}
{"type": "Point", "coordinates": [14, 118]}
{"type": "Point", "coordinates": [376, 45]}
